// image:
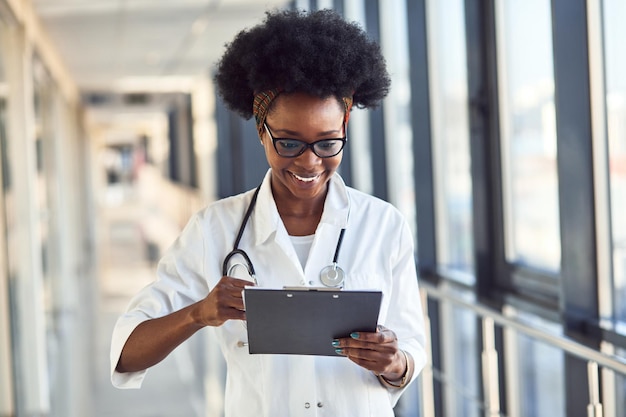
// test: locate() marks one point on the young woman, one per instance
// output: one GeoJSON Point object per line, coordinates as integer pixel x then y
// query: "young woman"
{"type": "Point", "coordinates": [298, 74]}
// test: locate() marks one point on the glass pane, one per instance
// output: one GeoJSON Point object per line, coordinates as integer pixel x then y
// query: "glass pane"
{"type": "Point", "coordinates": [450, 127]}
{"type": "Point", "coordinates": [528, 134]}
{"type": "Point", "coordinates": [534, 370]}
{"type": "Point", "coordinates": [43, 99]}
{"type": "Point", "coordinates": [396, 109]}
{"type": "Point", "coordinates": [619, 399]}
{"type": "Point", "coordinates": [358, 128]}
{"type": "Point", "coordinates": [542, 390]}
{"type": "Point", "coordinates": [460, 363]}
{"type": "Point", "coordinates": [6, 368]}
{"type": "Point", "coordinates": [615, 67]}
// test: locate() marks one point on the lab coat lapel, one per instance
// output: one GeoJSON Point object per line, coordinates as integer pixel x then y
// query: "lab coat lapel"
{"type": "Point", "coordinates": [272, 242]}
{"type": "Point", "coordinates": [321, 254]}
{"type": "Point", "coordinates": [334, 218]}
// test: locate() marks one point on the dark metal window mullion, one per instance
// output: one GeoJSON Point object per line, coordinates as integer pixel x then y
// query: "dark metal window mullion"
{"type": "Point", "coordinates": [423, 173]}
{"type": "Point", "coordinates": [422, 140]}
{"type": "Point", "coordinates": [579, 280]}
{"type": "Point", "coordinates": [338, 6]}
{"type": "Point", "coordinates": [346, 169]}
{"type": "Point", "coordinates": [377, 122]}
{"type": "Point", "coordinates": [225, 174]}
{"type": "Point", "coordinates": [487, 198]}
{"type": "Point", "coordinates": [491, 269]}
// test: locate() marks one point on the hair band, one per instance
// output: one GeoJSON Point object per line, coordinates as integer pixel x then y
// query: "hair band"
{"type": "Point", "coordinates": [263, 100]}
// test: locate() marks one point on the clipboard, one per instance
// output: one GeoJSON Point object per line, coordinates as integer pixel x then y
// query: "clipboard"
{"type": "Point", "coordinates": [304, 320]}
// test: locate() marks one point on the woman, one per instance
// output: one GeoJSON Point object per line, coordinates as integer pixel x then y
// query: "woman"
{"type": "Point", "coordinates": [299, 74]}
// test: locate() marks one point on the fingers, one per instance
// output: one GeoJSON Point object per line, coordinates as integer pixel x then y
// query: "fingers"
{"type": "Point", "coordinates": [228, 292]}
{"type": "Point", "coordinates": [225, 302]}
{"type": "Point", "coordinates": [377, 351]}
{"type": "Point", "coordinates": [382, 339]}
{"type": "Point", "coordinates": [235, 282]}
{"type": "Point", "coordinates": [381, 336]}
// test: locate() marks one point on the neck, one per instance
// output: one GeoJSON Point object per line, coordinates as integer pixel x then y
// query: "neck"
{"type": "Point", "coordinates": [300, 211]}
{"type": "Point", "coordinates": [301, 217]}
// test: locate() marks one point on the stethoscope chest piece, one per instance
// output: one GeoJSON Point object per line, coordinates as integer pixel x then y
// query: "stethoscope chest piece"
{"type": "Point", "coordinates": [332, 276]}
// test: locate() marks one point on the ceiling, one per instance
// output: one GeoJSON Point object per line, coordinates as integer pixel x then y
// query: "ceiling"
{"type": "Point", "coordinates": [144, 45]}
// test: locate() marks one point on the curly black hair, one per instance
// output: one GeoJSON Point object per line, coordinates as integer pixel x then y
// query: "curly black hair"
{"type": "Point", "coordinates": [317, 53]}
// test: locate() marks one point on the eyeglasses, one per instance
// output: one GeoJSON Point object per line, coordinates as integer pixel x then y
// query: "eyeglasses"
{"type": "Point", "coordinates": [290, 148]}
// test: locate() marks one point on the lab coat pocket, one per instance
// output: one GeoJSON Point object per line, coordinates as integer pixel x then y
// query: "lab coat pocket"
{"type": "Point", "coordinates": [245, 376]}
{"type": "Point", "coordinates": [364, 281]}
{"type": "Point", "coordinates": [379, 399]}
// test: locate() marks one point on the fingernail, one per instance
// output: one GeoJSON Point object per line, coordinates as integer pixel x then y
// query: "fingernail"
{"type": "Point", "coordinates": [335, 342]}
{"type": "Point", "coordinates": [354, 335]}
{"type": "Point", "coordinates": [339, 351]}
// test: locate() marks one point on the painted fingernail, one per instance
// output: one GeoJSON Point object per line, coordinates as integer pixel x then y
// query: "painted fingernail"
{"type": "Point", "coordinates": [335, 342]}
{"type": "Point", "coordinates": [354, 335]}
{"type": "Point", "coordinates": [339, 351]}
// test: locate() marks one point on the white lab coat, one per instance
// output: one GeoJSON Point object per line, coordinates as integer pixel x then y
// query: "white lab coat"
{"type": "Point", "coordinates": [376, 253]}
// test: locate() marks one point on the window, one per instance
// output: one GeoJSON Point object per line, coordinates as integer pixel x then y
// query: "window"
{"type": "Point", "coordinates": [398, 135]}
{"type": "Point", "coordinates": [619, 398]}
{"type": "Point", "coordinates": [528, 133]}
{"type": "Point", "coordinates": [460, 362]}
{"type": "Point", "coordinates": [615, 68]}
{"type": "Point", "coordinates": [450, 136]}
{"type": "Point", "coordinates": [6, 368]}
{"type": "Point", "coordinates": [534, 372]}
{"type": "Point", "coordinates": [359, 126]}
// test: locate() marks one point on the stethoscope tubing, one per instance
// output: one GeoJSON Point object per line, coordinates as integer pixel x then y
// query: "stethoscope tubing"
{"type": "Point", "coordinates": [236, 250]}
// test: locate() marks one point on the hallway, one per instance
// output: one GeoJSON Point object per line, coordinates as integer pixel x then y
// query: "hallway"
{"type": "Point", "coordinates": [172, 388]}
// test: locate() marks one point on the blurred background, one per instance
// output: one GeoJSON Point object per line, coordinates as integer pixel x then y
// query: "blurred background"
{"type": "Point", "coordinates": [503, 141]}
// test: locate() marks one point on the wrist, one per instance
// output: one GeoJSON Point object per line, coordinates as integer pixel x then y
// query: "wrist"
{"type": "Point", "coordinates": [400, 369]}
{"type": "Point", "coordinates": [403, 379]}
{"type": "Point", "coordinates": [195, 314]}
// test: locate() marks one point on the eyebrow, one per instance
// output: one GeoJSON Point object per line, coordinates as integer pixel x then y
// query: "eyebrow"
{"type": "Point", "coordinates": [294, 133]}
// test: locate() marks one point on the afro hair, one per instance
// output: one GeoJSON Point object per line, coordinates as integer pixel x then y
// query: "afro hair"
{"type": "Point", "coordinates": [317, 53]}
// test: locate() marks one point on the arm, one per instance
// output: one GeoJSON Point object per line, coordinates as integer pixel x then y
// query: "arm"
{"type": "Point", "coordinates": [396, 354]}
{"type": "Point", "coordinates": [154, 339]}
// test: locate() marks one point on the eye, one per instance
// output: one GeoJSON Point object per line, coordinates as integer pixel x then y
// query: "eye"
{"type": "Point", "coordinates": [328, 144]}
{"type": "Point", "coordinates": [289, 144]}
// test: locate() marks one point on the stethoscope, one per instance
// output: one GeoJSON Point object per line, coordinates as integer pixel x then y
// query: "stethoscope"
{"type": "Point", "coordinates": [331, 275]}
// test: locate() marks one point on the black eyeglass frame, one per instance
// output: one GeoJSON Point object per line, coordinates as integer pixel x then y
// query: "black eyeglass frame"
{"type": "Point", "coordinates": [306, 145]}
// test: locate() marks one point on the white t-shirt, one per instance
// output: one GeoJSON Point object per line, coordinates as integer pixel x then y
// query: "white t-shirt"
{"type": "Point", "coordinates": [302, 245]}
{"type": "Point", "coordinates": [376, 253]}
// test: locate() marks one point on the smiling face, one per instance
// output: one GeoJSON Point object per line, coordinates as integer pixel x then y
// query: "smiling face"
{"type": "Point", "coordinates": [299, 184]}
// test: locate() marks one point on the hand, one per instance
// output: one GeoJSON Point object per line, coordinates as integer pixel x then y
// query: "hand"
{"type": "Point", "coordinates": [224, 302]}
{"type": "Point", "coordinates": [377, 352]}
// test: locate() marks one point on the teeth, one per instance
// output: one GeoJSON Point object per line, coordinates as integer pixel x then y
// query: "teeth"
{"type": "Point", "coordinates": [303, 179]}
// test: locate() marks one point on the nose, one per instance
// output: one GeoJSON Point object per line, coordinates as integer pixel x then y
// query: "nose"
{"type": "Point", "coordinates": [308, 157]}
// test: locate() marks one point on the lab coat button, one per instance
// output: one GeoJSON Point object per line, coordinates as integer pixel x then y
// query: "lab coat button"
{"type": "Point", "coordinates": [320, 405]}
{"type": "Point", "coordinates": [307, 405]}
